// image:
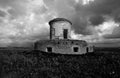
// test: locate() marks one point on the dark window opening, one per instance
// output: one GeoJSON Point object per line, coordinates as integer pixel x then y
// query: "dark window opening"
{"type": "Point", "coordinates": [49, 49]}
{"type": "Point", "coordinates": [87, 49]}
{"type": "Point", "coordinates": [65, 33]}
{"type": "Point", "coordinates": [75, 49]}
{"type": "Point", "coordinates": [72, 42]}
{"type": "Point", "coordinates": [58, 42]}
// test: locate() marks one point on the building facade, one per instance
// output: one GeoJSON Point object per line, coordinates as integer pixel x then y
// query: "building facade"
{"type": "Point", "coordinates": [60, 39]}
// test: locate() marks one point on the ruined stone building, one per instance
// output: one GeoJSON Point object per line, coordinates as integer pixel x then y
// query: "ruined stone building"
{"type": "Point", "coordinates": [60, 40]}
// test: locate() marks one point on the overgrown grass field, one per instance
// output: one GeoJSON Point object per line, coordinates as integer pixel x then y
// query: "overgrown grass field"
{"type": "Point", "coordinates": [37, 64]}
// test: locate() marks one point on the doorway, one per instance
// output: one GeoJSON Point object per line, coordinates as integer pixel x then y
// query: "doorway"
{"type": "Point", "coordinates": [65, 33]}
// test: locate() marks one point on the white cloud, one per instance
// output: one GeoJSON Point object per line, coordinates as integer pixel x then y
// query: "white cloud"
{"type": "Point", "coordinates": [22, 21]}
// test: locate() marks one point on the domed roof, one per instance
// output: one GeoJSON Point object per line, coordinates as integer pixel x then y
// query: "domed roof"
{"type": "Point", "coordinates": [58, 19]}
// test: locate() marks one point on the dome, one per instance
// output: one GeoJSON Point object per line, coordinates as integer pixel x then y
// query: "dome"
{"type": "Point", "coordinates": [58, 19]}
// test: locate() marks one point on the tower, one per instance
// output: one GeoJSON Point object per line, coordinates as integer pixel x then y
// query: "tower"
{"type": "Point", "coordinates": [60, 28]}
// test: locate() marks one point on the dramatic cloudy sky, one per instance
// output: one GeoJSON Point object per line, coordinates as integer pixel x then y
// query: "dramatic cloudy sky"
{"type": "Point", "coordinates": [25, 21]}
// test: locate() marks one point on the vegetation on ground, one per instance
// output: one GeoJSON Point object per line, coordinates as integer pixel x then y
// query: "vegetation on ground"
{"type": "Point", "coordinates": [37, 64]}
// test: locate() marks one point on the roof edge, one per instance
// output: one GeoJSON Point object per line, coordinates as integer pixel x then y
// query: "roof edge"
{"type": "Point", "coordinates": [59, 19]}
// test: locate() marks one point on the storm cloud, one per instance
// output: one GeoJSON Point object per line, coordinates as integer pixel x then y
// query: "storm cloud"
{"type": "Point", "coordinates": [27, 20]}
{"type": "Point", "coordinates": [2, 13]}
{"type": "Point", "coordinates": [82, 16]}
{"type": "Point", "coordinates": [97, 12]}
{"type": "Point", "coordinates": [96, 20]}
{"type": "Point", "coordinates": [103, 15]}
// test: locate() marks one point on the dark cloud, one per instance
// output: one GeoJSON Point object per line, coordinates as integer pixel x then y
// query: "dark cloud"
{"type": "Point", "coordinates": [80, 25]}
{"type": "Point", "coordinates": [96, 20]}
{"type": "Point", "coordinates": [81, 15]}
{"type": "Point", "coordinates": [37, 15]}
{"type": "Point", "coordinates": [103, 6]}
{"type": "Point", "coordinates": [95, 12]}
{"type": "Point", "coordinates": [2, 13]}
{"type": "Point", "coordinates": [117, 19]}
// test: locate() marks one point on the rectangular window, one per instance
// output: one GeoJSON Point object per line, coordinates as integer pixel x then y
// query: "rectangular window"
{"type": "Point", "coordinates": [49, 49]}
{"type": "Point", "coordinates": [75, 49]}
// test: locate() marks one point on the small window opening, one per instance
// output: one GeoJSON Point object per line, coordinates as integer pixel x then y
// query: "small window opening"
{"type": "Point", "coordinates": [75, 49]}
{"type": "Point", "coordinates": [49, 49]}
{"type": "Point", "coordinates": [87, 49]}
{"type": "Point", "coordinates": [72, 42]}
{"type": "Point", "coordinates": [58, 42]}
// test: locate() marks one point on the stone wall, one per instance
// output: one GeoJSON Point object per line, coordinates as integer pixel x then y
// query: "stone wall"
{"type": "Point", "coordinates": [57, 29]}
{"type": "Point", "coordinates": [62, 46]}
